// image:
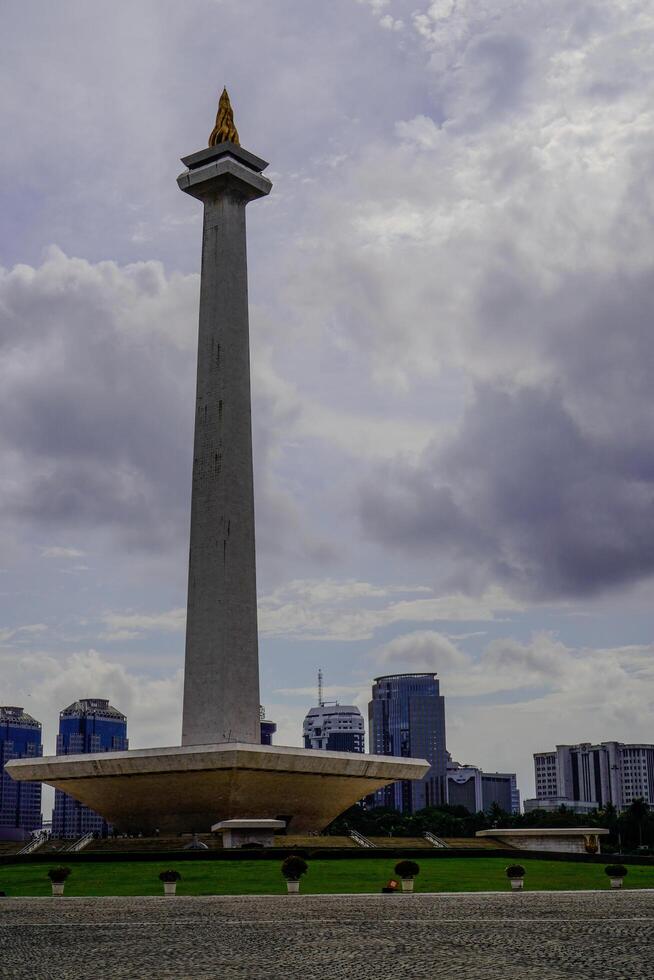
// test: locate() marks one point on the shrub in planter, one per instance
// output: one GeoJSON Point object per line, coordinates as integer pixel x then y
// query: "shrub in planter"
{"type": "Point", "coordinates": [293, 868]}
{"type": "Point", "coordinates": [407, 870]}
{"type": "Point", "coordinates": [170, 876]}
{"type": "Point", "coordinates": [616, 873]}
{"type": "Point", "coordinates": [58, 874]}
{"type": "Point", "coordinates": [170, 879]}
{"type": "Point", "coordinates": [516, 875]}
{"type": "Point", "coordinates": [58, 877]}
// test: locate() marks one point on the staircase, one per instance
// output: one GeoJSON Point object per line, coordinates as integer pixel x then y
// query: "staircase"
{"type": "Point", "coordinates": [360, 839]}
{"type": "Point", "coordinates": [434, 840]}
{"type": "Point", "coordinates": [80, 843]}
{"type": "Point", "coordinates": [34, 843]}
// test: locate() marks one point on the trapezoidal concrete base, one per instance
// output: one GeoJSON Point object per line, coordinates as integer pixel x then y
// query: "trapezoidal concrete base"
{"type": "Point", "coordinates": [190, 788]}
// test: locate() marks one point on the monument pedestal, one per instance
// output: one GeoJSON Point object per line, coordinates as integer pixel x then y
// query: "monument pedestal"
{"type": "Point", "coordinates": [190, 788]}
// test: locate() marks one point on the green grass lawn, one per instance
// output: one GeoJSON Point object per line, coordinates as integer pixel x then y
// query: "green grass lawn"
{"type": "Point", "coordinates": [264, 878]}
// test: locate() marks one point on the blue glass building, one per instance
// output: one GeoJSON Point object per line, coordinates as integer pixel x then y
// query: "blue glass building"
{"type": "Point", "coordinates": [89, 725]}
{"type": "Point", "coordinates": [20, 803]}
{"type": "Point", "coordinates": [407, 718]}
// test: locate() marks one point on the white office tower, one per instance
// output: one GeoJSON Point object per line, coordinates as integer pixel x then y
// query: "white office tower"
{"type": "Point", "coordinates": [335, 727]}
{"type": "Point", "coordinates": [585, 777]}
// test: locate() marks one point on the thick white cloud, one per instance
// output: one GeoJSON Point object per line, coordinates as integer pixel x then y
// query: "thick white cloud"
{"type": "Point", "coordinates": [44, 684]}
{"type": "Point", "coordinates": [328, 610]}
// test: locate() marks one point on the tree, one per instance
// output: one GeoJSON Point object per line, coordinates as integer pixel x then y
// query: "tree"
{"type": "Point", "coordinates": [638, 811]}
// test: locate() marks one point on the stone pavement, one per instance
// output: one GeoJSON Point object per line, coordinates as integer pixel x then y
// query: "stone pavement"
{"type": "Point", "coordinates": [505, 936]}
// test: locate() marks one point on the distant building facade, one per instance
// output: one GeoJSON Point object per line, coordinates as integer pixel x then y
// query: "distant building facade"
{"type": "Point", "coordinates": [554, 803]}
{"type": "Point", "coordinates": [590, 776]}
{"type": "Point", "coordinates": [407, 718]}
{"type": "Point", "coordinates": [20, 803]}
{"type": "Point", "coordinates": [88, 725]}
{"type": "Point", "coordinates": [268, 727]}
{"type": "Point", "coordinates": [334, 727]}
{"type": "Point", "coordinates": [475, 790]}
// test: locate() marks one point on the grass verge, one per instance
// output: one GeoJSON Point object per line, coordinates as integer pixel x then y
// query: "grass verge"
{"type": "Point", "coordinates": [324, 877]}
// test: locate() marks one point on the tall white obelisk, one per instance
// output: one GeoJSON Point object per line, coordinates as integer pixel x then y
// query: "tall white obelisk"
{"type": "Point", "coordinates": [221, 683]}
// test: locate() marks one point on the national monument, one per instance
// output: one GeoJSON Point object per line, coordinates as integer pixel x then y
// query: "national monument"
{"type": "Point", "coordinates": [221, 771]}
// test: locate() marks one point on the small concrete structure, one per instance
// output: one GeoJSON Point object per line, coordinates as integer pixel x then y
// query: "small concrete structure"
{"type": "Point", "coordinates": [574, 840]}
{"type": "Point", "coordinates": [238, 833]}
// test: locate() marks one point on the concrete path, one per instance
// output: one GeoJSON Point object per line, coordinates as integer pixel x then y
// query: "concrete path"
{"type": "Point", "coordinates": [505, 936]}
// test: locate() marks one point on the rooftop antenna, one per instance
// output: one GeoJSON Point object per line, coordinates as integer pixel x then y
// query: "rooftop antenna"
{"type": "Point", "coordinates": [320, 699]}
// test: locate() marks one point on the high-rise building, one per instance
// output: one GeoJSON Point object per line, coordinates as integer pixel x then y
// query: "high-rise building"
{"type": "Point", "coordinates": [583, 775]}
{"type": "Point", "coordinates": [20, 803]}
{"type": "Point", "coordinates": [407, 718]}
{"type": "Point", "coordinates": [333, 726]}
{"type": "Point", "coordinates": [468, 786]}
{"type": "Point", "coordinates": [88, 725]}
{"type": "Point", "coordinates": [500, 789]}
{"type": "Point", "coordinates": [268, 727]}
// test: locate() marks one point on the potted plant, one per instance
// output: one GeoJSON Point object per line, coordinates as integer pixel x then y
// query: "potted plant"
{"type": "Point", "coordinates": [516, 875]}
{"type": "Point", "coordinates": [616, 873]}
{"type": "Point", "coordinates": [293, 868]}
{"type": "Point", "coordinates": [170, 879]}
{"type": "Point", "coordinates": [407, 870]}
{"type": "Point", "coordinates": [58, 877]}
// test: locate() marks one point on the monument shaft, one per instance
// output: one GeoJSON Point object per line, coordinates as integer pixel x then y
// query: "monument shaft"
{"type": "Point", "coordinates": [192, 787]}
{"type": "Point", "coordinates": [221, 684]}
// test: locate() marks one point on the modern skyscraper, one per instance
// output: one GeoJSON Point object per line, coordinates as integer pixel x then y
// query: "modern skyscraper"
{"type": "Point", "coordinates": [581, 775]}
{"type": "Point", "coordinates": [468, 786]}
{"type": "Point", "coordinates": [501, 789]}
{"type": "Point", "coordinates": [335, 727]}
{"type": "Point", "coordinates": [88, 725]}
{"type": "Point", "coordinates": [332, 726]}
{"type": "Point", "coordinates": [20, 803]}
{"type": "Point", "coordinates": [407, 718]}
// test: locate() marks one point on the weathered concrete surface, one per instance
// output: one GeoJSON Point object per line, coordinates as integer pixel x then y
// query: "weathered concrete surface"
{"type": "Point", "coordinates": [221, 680]}
{"type": "Point", "coordinates": [577, 840]}
{"type": "Point", "coordinates": [522, 936]}
{"type": "Point", "coordinates": [191, 788]}
{"type": "Point", "coordinates": [236, 833]}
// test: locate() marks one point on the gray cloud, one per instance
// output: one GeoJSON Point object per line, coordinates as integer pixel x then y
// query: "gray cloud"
{"type": "Point", "coordinates": [525, 497]}
{"type": "Point", "coordinates": [96, 397]}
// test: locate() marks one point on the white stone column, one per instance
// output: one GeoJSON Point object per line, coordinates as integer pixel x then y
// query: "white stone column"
{"type": "Point", "coordinates": [221, 683]}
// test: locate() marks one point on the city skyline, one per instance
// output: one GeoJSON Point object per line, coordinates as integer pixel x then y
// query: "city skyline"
{"type": "Point", "coordinates": [451, 361]}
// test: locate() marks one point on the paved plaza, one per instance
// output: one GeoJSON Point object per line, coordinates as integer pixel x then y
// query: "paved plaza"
{"type": "Point", "coordinates": [544, 936]}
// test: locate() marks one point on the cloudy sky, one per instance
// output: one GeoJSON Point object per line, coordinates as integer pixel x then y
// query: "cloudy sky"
{"type": "Point", "coordinates": [451, 288]}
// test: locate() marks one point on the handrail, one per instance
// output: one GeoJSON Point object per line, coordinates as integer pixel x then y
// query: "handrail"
{"type": "Point", "coordinates": [434, 840]}
{"type": "Point", "coordinates": [34, 842]}
{"type": "Point", "coordinates": [81, 842]}
{"type": "Point", "coordinates": [360, 839]}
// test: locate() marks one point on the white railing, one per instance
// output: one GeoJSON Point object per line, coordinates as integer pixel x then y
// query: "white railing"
{"type": "Point", "coordinates": [360, 839]}
{"type": "Point", "coordinates": [433, 839]}
{"type": "Point", "coordinates": [80, 843]}
{"type": "Point", "coordinates": [35, 842]}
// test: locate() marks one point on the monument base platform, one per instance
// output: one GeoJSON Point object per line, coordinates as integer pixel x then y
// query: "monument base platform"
{"type": "Point", "coordinates": [575, 840]}
{"type": "Point", "coordinates": [188, 789]}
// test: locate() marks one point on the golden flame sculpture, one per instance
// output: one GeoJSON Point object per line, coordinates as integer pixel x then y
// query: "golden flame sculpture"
{"type": "Point", "coordinates": [224, 131]}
